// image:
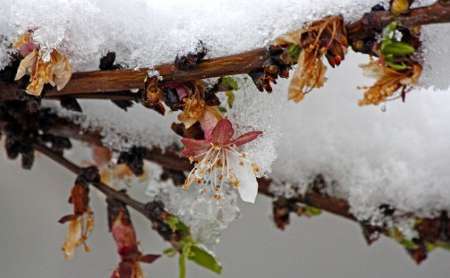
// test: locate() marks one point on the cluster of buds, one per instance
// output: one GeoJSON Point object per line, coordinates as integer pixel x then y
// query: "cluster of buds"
{"type": "Point", "coordinates": [277, 65]}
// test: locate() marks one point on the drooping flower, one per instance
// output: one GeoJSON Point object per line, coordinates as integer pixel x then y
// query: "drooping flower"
{"type": "Point", "coordinates": [124, 235]}
{"type": "Point", "coordinates": [388, 81]}
{"type": "Point", "coordinates": [54, 68]}
{"type": "Point", "coordinates": [218, 160]}
{"type": "Point", "coordinates": [81, 222]}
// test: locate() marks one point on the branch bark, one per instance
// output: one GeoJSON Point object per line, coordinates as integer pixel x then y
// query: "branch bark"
{"type": "Point", "coordinates": [432, 230]}
{"type": "Point", "coordinates": [106, 82]}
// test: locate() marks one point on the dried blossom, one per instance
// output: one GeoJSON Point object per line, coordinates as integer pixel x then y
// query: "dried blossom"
{"type": "Point", "coordinates": [196, 110]}
{"type": "Point", "coordinates": [218, 161]}
{"type": "Point", "coordinates": [153, 95]}
{"type": "Point", "coordinates": [326, 37]}
{"type": "Point", "coordinates": [388, 81]}
{"type": "Point", "coordinates": [56, 72]}
{"type": "Point", "coordinates": [81, 222]}
{"type": "Point", "coordinates": [25, 44]}
{"type": "Point", "coordinates": [124, 235]}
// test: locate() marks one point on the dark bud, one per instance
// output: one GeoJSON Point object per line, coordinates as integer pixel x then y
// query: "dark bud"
{"type": "Point", "coordinates": [88, 175]}
{"type": "Point", "coordinates": [211, 98]}
{"type": "Point", "coordinates": [378, 7]}
{"type": "Point", "coordinates": [177, 177]}
{"type": "Point", "coordinates": [280, 209]}
{"type": "Point", "coordinates": [114, 206]}
{"type": "Point", "coordinates": [194, 132]}
{"type": "Point", "coordinates": [155, 210]}
{"type": "Point", "coordinates": [33, 105]}
{"type": "Point", "coordinates": [370, 233]}
{"type": "Point", "coordinates": [70, 103]}
{"type": "Point", "coordinates": [386, 209]}
{"type": "Point", "coordinates": [318, 185]}
{"type": "Point", "coordinates": [172, 100]}
{"type": "Point", "coordinates": [61, 143]}
{"type": "Point", "coordinates": [107, 62]}
{"type": "Point", "coordinates": [191, 60]}
{"type": "Point", "coordinates": [419, 254]}
{"type": "Point", "coordinates": [8, 74]}
{"type": "Point", "coordinates": [12, 148]}
{"type": "Point", "coordinates": [123, 104]}
{"type": "Point", "coordinates": [258, 78]}
{"type": "Point", "coordinates": [27, 160]}
{"type": "Point", "coordinates": [134, 159]}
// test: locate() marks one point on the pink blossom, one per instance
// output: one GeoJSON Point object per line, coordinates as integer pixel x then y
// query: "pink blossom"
{"type": "Point", "coordinates": [218, 160]}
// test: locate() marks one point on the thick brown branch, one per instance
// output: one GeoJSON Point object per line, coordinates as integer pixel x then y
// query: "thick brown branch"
{"type": "Point", "coordinates": [99, 82]}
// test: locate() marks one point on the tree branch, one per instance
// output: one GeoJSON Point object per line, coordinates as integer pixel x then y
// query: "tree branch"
{"type": "Point", "coordinates": [106, 82]}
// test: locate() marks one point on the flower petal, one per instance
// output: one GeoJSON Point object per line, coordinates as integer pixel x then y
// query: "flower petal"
{"type": "Point", "coordinates": [223, 132]}
{"type": "Point", "coordinates": [193, 147]}
{"type": "Point", "coordinates": [248, 185]}
{"type": "Point", "coordinates": [209, 121]}
{"type": "Point", "coordinates": [246, 138]}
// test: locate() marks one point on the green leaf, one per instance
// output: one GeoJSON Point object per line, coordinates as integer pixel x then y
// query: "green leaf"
{"type": "Point", "coordinates": [294, 51]}
{"type": "Point", "coordinates": [408, 244]}
{"type": "Point", "coordinates": [389, 30]}
{"type": "Point", "coordinates": [170, 252]}
{"type": "Point", "coordinates": [312, 211]}
{"type": "Point", "coordinates": [222, 109]}
{"type": "Point", "coordinates": [397, 67]}
{"type": "Point", "coordinates": [203, 258]}
{"type": "Point", "coordinates": [397, 48]}
{"type": "Point", "coordinates": [230, 98]}
{"type": "Point", "coordinates": [177, 225]}
{"type": "Point", "coordinates": [230, 83]}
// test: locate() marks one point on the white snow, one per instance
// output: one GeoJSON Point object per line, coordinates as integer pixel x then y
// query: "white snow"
{"type": "Point", "coordinates": [399, 157]}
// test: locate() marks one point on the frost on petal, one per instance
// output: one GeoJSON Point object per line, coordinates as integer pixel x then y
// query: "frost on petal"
{"type": "Point", "coordinates": [193, 147]}
{"type": "Point", "coordinates": [246, 138]}
{"type": "Point", "coordinates": [248, 185]}
{"type": "Point", "coordinates": [223, 132]}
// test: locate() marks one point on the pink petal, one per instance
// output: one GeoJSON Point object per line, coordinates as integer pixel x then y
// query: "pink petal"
{"type": "Point", "coordinates": [27, 48]}
{"type": "Point", "coordinates": [193, 147]}
{"type": "Point", "coordinates": [208, 122]}
{"type": "Point", "coordinates": [247, 137]}
{"type": "Point", "coordinates": [223, 132]}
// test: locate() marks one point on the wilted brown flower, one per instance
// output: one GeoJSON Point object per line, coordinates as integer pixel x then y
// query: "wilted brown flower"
{"type": "Point", "coordinates": [326, 37]}
{"type": "Point", "coordinates": [195, 108]}
{"type": "Point", "coordinates": [81, 222]}
{"type": "Point", "coordinates": [153, 95]}
{"type": "Point", "coordinates": [388, 81]}
{"type": "Point", "coordinates": [56, 72]}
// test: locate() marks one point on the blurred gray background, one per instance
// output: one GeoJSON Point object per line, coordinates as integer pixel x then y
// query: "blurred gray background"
{"type": "Point", "coordinates": [325, 246]}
